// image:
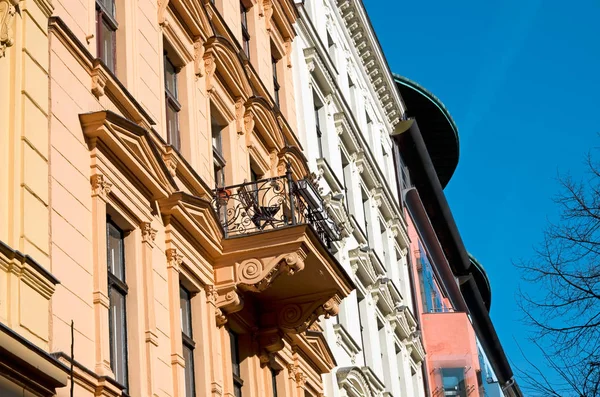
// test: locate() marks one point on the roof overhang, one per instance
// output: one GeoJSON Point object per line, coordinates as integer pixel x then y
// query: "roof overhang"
{"type": "Point", "coordinates": [439, 131]}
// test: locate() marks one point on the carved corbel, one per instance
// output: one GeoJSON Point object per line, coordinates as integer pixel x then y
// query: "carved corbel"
{"type": "Point", "coordinates": [7, 14]}
{"type": "Point", "coordinates": [288, 52]}
{"type": "Point", "coordinates": [267, 6]}
{"type": "Point", "coordinates": [171, 161]}
{"type": "Point", "coordinates": [254, 276]}
{"type": "Point", "coordinates": [198, 57]}
{"type": "Point", "coordinates": [100, 186]}
{"type": "Point", "coordinates": [209, 67]}
{"type": "Point", "coordinates": [271, 341]}
{"type": "Point", "coordinates": [162, 9]}
{"type": "Point", "coordinates": [220, 317]}
{"type": "Point", "coordinates": [229, 300]}
{"type": "Point", "coordinates": [99, 79]}
{"type": "Point", "coordinates": [248, 123]}
{"type": "Point", "coordinates": [240, 118]}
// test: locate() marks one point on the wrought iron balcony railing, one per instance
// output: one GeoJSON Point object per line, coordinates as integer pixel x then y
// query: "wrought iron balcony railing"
{"type": "Point", "coordinates": [273, 203]}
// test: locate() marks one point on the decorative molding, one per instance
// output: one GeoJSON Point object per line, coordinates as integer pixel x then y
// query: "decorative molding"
{"type": "Point", "coordinates": [240, 111]}
{"type": "Point", "coordinates": [148, 233]}
{"type": "Point", "coordinates": [198, 57]}
{"type": "Point", "coordinates": [249, 123]}
{"type": "Point", "coordinates": [174, 259]}
{"type": "Point", "coordinates": [171, 161]}
{"type": "Point", "coordinates": [267, 6]}
{"type": "Point", "coordinates": [99, 79]}
{"type": "Point", "coordinates": [253, 275]}
{"type": "Point", "coordinates": [162, 9]}
{"type": "Point", "coordinates": [210, 67]}
{"type": "Point", "coordinates": [7, 14]}
{"type": "Point", "coordinates": [288, 52]}
{"type": "Point", "coordinates": [370, 54]}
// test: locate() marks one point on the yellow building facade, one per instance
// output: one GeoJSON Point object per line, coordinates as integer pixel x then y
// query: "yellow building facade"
{"type": "Point", "coordinates": [160, 232]}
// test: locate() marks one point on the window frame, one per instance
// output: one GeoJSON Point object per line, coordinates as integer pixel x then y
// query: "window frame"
{"type": "Point", "coordinates": [172, 102]}
{"type": "Point", "coordinates": [188, 340]}
{"type": "Point", "coordinates": [274, 382]}
{"type": "Point", "coordinates": [238, 382]}
{"type": "Point", "coordinates": [276, 86]}
{"type": "Point", "coordinates": [122, 289]}
{"type": "Point", "coordinates": [107, 18]}
{"type": "Point", "coordinates": [219, 162]}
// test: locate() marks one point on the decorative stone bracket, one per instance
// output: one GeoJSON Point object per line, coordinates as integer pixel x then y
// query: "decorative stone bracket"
{"type": "Point", "coordinates": [255, 275]}
{"type": "Point", "coordinates": [8, 9]}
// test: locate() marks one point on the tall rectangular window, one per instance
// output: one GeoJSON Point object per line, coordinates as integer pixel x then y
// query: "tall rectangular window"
{"type": "Point", "coordinates": [274, 382]}
{"type": "Point", "coordinates": [106, 28]}
{"type": "Point", "coordinates": [117, 294]}
{"type": "Point", "coordinates": [245, 34]}
{"type": "Point", "coordinates": [216, 126]}
{"type": "Point", "coordinates": [172, 103]}
{"type": "Point", "coordinates": [235, 364]}
{"type": "Point", "coordinates": [319, 132]}
{"type": "Point", "coordinates": [188, 340]}
{"type": "Point", "coordinates": [275, 81]}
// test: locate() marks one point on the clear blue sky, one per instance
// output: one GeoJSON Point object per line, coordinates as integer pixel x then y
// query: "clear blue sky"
{"type": "Point", "coordinates": [521, 79]}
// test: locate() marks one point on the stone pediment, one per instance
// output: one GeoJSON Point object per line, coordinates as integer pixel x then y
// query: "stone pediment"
{"type": "Point", "coordinates": [196, 218]}
{"type": "Point", "coordinates": [129, 148]}
{"type": "Point", "coordinates": [317, 342]}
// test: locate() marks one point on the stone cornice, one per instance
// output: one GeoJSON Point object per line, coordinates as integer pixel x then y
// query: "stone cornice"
{"type": "Point", "coordinates": [371, 55]}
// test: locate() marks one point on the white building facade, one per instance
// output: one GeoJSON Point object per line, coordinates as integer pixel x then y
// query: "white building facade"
{"type": "Point", "coordinates": [347, 107]}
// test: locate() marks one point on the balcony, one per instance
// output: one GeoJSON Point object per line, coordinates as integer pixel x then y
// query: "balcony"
{"type": "Point", "coordinates": [274, 203]}
{"type": "Point", "coordinates": [276, 256]}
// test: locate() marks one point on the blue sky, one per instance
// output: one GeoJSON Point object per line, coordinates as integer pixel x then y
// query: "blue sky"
{"type": "Point", "coordinates": [521, 80]}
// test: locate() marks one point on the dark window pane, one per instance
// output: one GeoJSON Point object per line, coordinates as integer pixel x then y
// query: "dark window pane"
{"type": "Point", "coordinates": [108, 5]}
{"type": "Point", "coordinates": [170, 77]}
{"type": "Point", "coordinates": [116, 262]}
{"type": "Point", "coordinates": [188, 356]}
{"type": "Point", "coordinates": [172, 126]}
{"type": "Point", "coordinates": [186, 312]}
{"type": "Point", "coordinates": [118, 335]}
{"type": "Point", "coordinates": [237, 391]}
{"type": "Point", "coordinates": [274, 382]}
{"type": "Point", "coordinates": [235, 359]}
{"type": "Point", "coordinates": [107, 43]}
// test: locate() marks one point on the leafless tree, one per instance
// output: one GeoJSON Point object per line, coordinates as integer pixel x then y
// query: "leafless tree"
{"type": "Point", "coordinates": [560, 297]}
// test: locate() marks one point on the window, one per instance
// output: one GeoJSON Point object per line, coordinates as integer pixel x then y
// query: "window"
{"type": "Point", "coordinates": [217, 125]}
{"type": "Point", "coordinates": [362, 313]}
{"type": "Point", "coordinates": [430, 293]}
{"type": "Point", "coordinates": [454, 382]}
{"type": "Point", "coordinates": [117, 293]}
{"type": "Point", "coordinates": [317, 111]}
{"type": "Point", "coordinates": [235, 364]}
{"type": "Point", "coordinates": [106, 28]}
{"type": "Point", "coordinates": [172, 103]}
{"type": "Point", "coordinates": [347, 174]}
{"type": "Point", "coordinates": [366, 209]}
{"type": "Point", "coordinates": [274, 382]}
{"type": "Point", "coordinates": [188, 340]}
{"type": "Point", "coordinates": [352, 89]}
{"type": "Point", "coordinates": [245, 34]}
{"type": "Point", "coordinates": [275, 82]}
{"type": "Point", "coordinates": [331, 48]}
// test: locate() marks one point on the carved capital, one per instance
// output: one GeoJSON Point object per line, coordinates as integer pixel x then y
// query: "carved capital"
{"type": "Point", "coordinates": [174, 259]}
{"type": "Point", "coordinates": [211, 293]}
{"type": "Point", "coordinates": [100, 186]}
{"type": "Point", "coordinates": [99, 79]}
{"type": "Point", "coordinates": [7, 15]}
{"type": "Point", "coordinates": [300, 378]}
{"type": "Point", "coordinates": [198, 57]}
{"type": "Point", "coordinates": [148, 233]}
